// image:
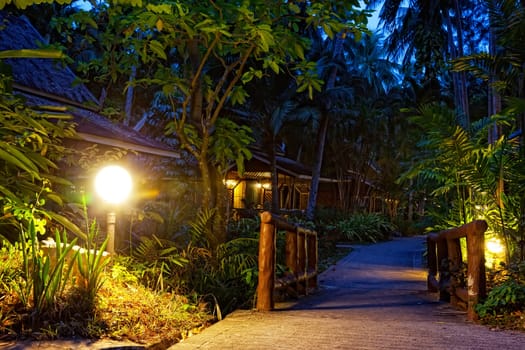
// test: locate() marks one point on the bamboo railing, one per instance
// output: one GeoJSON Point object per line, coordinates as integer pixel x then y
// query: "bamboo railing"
{"type": "Point", "coordinates": [300, 259]}
{"type": "Point", "coordinates": [444, 256]}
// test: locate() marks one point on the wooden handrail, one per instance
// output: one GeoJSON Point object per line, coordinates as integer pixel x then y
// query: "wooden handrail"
{"type": "Point", "coordinates": [444, 255]}
{"type": "Point", "coordinates": [301, 258]}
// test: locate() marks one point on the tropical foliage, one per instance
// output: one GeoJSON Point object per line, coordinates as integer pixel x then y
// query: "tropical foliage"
{"type": "Point", "coordinates": [201, 56]}
{"type": "Point", "coordinates": [429, 131]}
{"type": "Point", "coordinates": [365, 228]}
{"type": "Point", "coordinates": [30, 145]}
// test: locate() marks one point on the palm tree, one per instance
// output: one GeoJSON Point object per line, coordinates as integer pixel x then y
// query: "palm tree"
{"type": "Point", "coordinates": [502, 66]}
{"type": "Point", "coordinates": [376, 81]}
{"type": "Point", "coordinates": [358, 106]}
{"type": "Point", "coordinates": [427, 35]}
{"type": "Point", "coordinates": [329, 67]}
{"type": "Point", "coordinates": [366, 60]}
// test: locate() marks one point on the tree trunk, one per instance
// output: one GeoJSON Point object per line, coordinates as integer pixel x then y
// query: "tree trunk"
{"type": "Point", "coordinates": [196, 118]}
{"type": "Point", "coordinates": [275, 180]}
{"type": "Point", "coordinates": [206, 201]}
{"type": "Point", "coordinates": [128, 108]}
{"type": "Point", "coordinates": [321, 136]}
{"type": "Point", "coordinates": [220, 193]}
{"type": "Point", "coordinates": [463, 92]}
{"type": "Point", "coordinates": [410, 210]}
{"type": "Point", "coordinates": [316, 171]}
{"type": "Point", "coordinates": [494, 102]}
{"type": "Point", "coordinates": [458, 78]}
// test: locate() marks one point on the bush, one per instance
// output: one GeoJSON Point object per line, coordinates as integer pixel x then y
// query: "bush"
{"type": "Point", "coordinates": [505, 298]}
{"type": "Point", "coordinates": [365, 228]}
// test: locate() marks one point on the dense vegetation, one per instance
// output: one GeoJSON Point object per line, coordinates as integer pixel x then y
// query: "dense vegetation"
{"type": "Point", "coordinates": [435, 109]}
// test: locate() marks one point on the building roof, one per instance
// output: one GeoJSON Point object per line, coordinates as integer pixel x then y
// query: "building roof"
{"type": "Point", "coordinates": [50, 82]}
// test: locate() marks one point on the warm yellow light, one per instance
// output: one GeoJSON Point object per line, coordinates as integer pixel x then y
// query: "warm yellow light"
{"type": "Point", "coordinates": [230, 183]}
{"type": "Point", "coordinates": [113, 183]}
{"type": "Point", "coordinates": [494, 246]}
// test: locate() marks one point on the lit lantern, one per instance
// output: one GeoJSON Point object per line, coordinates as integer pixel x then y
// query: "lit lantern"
{"type": "Point", "coordinates": [113, 184]}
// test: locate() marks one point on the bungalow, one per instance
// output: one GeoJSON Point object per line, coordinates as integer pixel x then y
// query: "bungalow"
{"type": "Point", "coordinates": [253, 190]}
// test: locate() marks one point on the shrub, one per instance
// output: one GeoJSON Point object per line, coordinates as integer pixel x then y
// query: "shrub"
{"type": "Point", "coordinates": [503, 299]}
{"type": "Point", "coordinates": [44, 277]}
{"type": "Point", "coordinates": [365, 228]}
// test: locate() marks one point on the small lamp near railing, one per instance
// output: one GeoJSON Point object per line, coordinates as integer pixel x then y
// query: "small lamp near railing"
{"type": "Point", "coordinates": [495, 252]}
{"type": "Point", "coordinates": [113, 184]}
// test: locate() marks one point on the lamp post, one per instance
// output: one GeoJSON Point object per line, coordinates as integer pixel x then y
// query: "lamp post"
{"type": "Point", "coordinates": [113, 183]}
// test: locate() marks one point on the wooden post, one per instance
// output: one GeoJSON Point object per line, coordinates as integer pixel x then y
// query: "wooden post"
{"type": "Point", "coordinates": [291, 252]}
{"type": "Point", "coordinates": [291, 257]}
{"type": "Point", "coordinates": [448, 247]}
{"type": "Point", "coordinates": [454, 264]}
{"type": "Point", "coordinates": [301, 262]}
{"type": "Point", "coordinates": [301, 258]}
{"type": "Point", "coordinates": [266, 264]}
{"type": "Point", "coordinates": [476, 266]}
{"type": "Point", "coordinates": [312, 260]}
{"type": "Point", "coordinates": [442, 256]}
{"type": "Point", "coordinates": [432, 263]}
{"type": "Point", "coordinates": [111, 220]}
{"type": "Point", "coordinates": [301, 253]}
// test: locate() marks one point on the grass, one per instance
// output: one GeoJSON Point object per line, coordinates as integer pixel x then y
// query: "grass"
{"type": "Point", "coordinates": [133, 312]}
{"type": "Point", "coordinates": [123, 310]}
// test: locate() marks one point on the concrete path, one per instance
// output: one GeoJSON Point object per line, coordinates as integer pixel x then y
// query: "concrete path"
{"type": "Point", "coordinates": [375, 298]}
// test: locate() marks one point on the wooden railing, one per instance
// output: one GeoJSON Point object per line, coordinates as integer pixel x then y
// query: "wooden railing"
{"type": "Point", "coordinates": [300, 259]}
{"type": "Point", "coordinates": [445, 257]}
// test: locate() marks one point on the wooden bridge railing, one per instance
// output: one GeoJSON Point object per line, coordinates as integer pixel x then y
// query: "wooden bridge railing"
{"type": "Point", "coordinates": [300, 258]}
{"type": "Point", "coordinates": [444, 256]}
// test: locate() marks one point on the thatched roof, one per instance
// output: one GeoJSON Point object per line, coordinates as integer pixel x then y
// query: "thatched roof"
{"type": "Point", "coordinates": [44, 75]}
{"type": "Point", "coordinates": [49, 82]}
{"type": "Point", "coordinates": [284, 165]}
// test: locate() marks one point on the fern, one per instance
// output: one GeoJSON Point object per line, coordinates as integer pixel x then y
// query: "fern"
{"type": "Point", "coordinates": [201, 229]}
{"type": "Point", "coordinates": [463, 174]}
{"type": "Point", "coordinates": [159, 260]}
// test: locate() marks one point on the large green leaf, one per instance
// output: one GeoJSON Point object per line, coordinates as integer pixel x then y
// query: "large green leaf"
{"type": "Point", "coordinates": [68, 225]}
{"type": "Point", "coordinates": [20, 161]}
{"type": "Point", "coordinates": [30, 53]}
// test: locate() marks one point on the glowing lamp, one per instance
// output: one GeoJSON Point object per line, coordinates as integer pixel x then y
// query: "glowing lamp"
{"type": "Point", "coordinates": [495, 250]}
{"type": "Point", "coordinates": [230, 184]}
{"type": "Point", "coordinates": [113, 184]}
{"type": "Point", "coordinates": [494, 246]}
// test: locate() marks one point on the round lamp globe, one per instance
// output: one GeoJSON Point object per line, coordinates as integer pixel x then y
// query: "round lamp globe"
{"type": "Point", "coordinates": [113, 183]}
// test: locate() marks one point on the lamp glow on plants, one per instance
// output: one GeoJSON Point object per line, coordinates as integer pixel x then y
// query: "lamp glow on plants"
{"type": "Point", "coordinates": [495, 252]}
{"type": "Point", "coordinates": [494, 246]}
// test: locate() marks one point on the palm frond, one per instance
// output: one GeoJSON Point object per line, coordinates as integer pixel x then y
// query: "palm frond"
{"type": "Point", "coordinates": [201, 227]}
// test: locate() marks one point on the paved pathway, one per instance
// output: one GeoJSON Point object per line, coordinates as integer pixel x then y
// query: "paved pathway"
{"type": "Point", "coordinates": [375, 298]}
